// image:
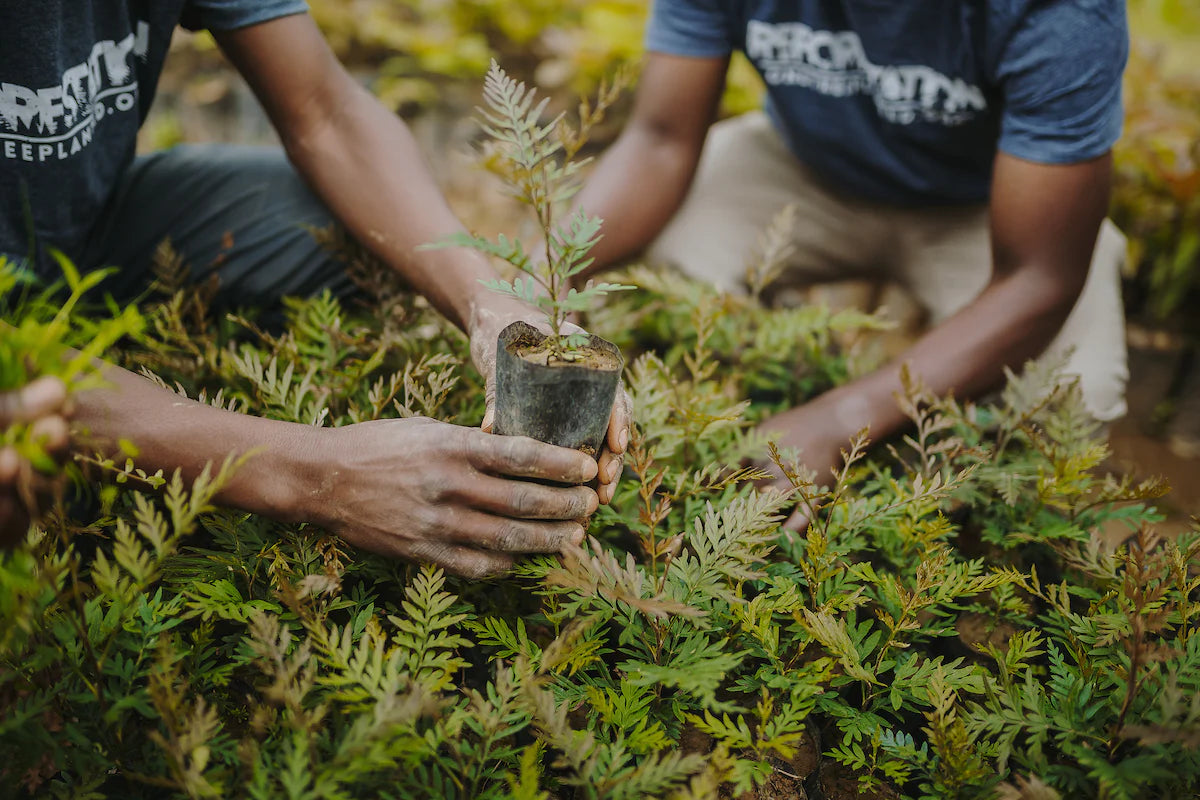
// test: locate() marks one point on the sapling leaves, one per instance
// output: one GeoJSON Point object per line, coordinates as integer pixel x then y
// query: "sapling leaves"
{"type": "Point", "coordinates": [536, 161]}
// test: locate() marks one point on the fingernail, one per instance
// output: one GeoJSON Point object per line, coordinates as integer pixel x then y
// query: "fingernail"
{"type": "Point", "coordinates": [577, 536]}
{"type": "Point", "coordinates": [623, 440]}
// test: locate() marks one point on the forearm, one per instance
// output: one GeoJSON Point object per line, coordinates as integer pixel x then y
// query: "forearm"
{"type": "Point", "coordinates": [641, 181]}
{"type": "Point", "coordinates": [1013, 320]}
{"type": "Point", "coordinates": [172, 433]}
{"type": "Point", "coordinates": [364, 163]}
{"type": "Point", "coordinates": [635, 189]}
{"type": "Point", "coordinates": [1044, 220]}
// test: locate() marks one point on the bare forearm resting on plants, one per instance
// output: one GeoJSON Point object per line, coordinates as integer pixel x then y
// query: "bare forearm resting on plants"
{"type": "Point", "coordinates": [172, 432]}
{"type": "Point", "coordinates": [1044, 225]}
{"type": "Point", "coordinates": [410, 488]}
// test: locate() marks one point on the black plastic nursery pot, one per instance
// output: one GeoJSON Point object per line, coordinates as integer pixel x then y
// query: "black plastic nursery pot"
{"type": "Point", "coordinates": [563, 403]}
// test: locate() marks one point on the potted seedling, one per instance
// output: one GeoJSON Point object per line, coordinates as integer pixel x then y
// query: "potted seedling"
{"type": "Point", "coordinates": [557, 385]}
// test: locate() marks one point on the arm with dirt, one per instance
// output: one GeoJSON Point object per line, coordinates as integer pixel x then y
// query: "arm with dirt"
{"type": "Point", "coordinates": [412, 488]}
{"type": "Point", "coordinates": [1044, 223]}
{"type": "Point", "coordinates": [364, 163]}
{"type": "Point", "coordinates": [418, 489]}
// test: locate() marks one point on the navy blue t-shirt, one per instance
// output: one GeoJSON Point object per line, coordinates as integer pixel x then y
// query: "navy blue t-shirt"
{"type": "Point", "coordinates": [76, 81]}
{"type": "Point", "coordinates": [907, 102]}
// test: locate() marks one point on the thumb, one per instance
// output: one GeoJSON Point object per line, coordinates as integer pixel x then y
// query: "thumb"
{"type": "Point", "coordinates": [489, 400]}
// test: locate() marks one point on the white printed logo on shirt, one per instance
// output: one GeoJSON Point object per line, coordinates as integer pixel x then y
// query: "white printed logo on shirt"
{"type": "Point", "coordinates": [56, 122]}
{"type": "Point", "coordinates": [834, 63]}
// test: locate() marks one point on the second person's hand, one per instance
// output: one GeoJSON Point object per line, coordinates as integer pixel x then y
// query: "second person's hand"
{"type": "Point", "coordinates": [817, 434]}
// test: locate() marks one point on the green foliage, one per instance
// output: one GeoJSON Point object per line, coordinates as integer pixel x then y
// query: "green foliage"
{"type": "Point", "coordinates": [39, 326]}
{"type": "Point", "coordinates": [951, 625]}
{"type": "Point", "coordinates": [537, 161]}
{"type": "Point", "coordinates": [1157, 194]}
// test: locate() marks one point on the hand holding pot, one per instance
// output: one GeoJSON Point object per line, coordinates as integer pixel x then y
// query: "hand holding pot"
{"type": "Point", "coordinates": [458, 497]}
{"type": "Point", "coordinates": [40, 404]}
{"type": "Point", "coordinates": [487, 323]}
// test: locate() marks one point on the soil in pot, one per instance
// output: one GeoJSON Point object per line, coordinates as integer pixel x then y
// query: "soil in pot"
{"type": "Point", "coordinates": [566, 403]}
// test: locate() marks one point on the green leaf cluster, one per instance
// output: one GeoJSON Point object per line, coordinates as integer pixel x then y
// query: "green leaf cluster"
{"type": "Point", "coordinates": [536, 160]}
{"type": "Point", "coordinates": [39, 326]}
{"type": "Point", "coordinates": [955, 622]}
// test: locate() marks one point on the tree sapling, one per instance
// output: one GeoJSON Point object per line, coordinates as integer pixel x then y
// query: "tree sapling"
{"type": "Point", "coordinates": [558, 386]}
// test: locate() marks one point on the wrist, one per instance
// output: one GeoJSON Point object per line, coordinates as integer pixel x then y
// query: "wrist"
{"type": "Point", "coordinates": [849, 411]}
{"type": "Point", "coordinates": [484, 309]}
{"type": "Point", "coordinates": [864, 403]}
{"type": "Point", "coordinates": [453, 279]}
{"type": "Point", "coordinates": [294, 479]}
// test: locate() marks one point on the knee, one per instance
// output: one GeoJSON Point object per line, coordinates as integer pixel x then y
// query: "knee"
{"type": "Point", "coordinates": [1103, 378]}
{"type": "Point", "coordinates": [1096, 330]}
{"type": "Point", "coordinates": [684, 248]}
{"type": "Point", "coordinates": [239, 173]}
{"type": "Point", "coordinates": [1104, 394]}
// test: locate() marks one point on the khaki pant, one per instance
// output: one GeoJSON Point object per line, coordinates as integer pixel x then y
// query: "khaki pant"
{"type": "Point", "coordinates": [941, 255]}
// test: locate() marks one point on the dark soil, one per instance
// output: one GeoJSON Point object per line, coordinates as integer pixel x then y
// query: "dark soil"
{"type": "Point", "coordinates": [839, 783]}
{"type": "Point", "coordinates": [792, 778]}
{"type": "Point", "coordinates": [541, 351]}
{"type": "Point", "coordinates": [979, 631]}
{"type": "Point", "coordinates": [1141, 448]}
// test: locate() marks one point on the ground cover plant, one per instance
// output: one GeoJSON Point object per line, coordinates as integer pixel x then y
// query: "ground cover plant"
{"type": "Point", "coordinates": [950, 625]}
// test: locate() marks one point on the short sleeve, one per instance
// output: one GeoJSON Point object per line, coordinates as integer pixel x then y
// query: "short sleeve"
{"type": "Point", "coordinates": [1060, 77]}
{"type": "Point", "coordinates": [228, 15]}
{"type": "Point", "coordinates": [699, 28]}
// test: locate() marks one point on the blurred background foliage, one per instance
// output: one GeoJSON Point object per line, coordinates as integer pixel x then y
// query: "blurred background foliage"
{"type": "Point", "coordinates": [415, 46]}
{"type": "Point", "coordinates": [1157, 195]}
